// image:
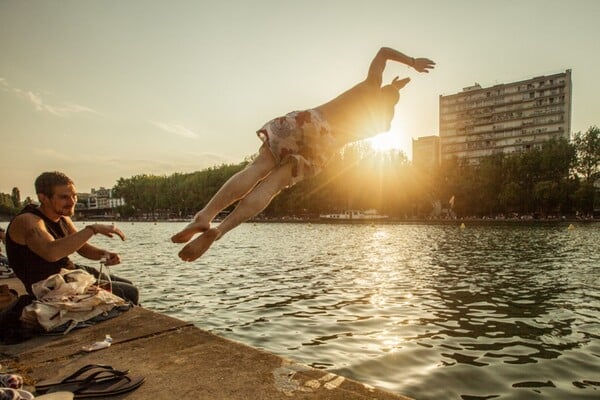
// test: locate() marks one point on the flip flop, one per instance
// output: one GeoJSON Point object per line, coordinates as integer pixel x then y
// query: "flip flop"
{"type": "Point", "coordinates": [55, 396]}
{"type": "Point", "coordinates": [111, 387]}
{"type": "Point", "coordinates": [85, 374]}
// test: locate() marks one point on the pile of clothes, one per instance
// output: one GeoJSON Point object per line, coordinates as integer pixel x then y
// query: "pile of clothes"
{"type": "Point", "coordinates": [64, 301]}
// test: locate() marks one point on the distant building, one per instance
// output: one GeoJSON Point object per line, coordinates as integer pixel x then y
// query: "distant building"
{"type": "Point", "coordinates": [505, 118]}
{"type": "Point", "coordinates": [84, 201]}
{"type": "Point", "coordinates": [426, 152]}
{"type": "Point", "coordinates": [115, 202]}
{"type": "Point", "coordinates": [100, 199]}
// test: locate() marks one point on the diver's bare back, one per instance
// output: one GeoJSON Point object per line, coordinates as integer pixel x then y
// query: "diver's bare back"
{"type": "Point", "coordinates": [346, 112]}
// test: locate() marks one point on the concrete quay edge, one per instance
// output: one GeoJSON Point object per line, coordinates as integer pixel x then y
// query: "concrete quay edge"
{"type": "Point", "coordinates": [180, 361]}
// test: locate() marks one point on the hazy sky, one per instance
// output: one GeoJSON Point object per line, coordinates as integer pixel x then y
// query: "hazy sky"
{"type": "Point", "coordinates": [108, 89]}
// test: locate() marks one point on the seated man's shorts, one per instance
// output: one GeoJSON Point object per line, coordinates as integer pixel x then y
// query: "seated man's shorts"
{"type": "Point", "coordinates": [303, 138]}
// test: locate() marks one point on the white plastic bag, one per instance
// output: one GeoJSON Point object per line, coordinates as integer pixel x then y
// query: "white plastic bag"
{"type": "Point", "coordinates": [67, 297]}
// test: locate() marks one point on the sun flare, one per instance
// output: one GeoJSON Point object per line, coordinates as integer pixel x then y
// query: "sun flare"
{"type": "Point", "coordinates": [386, 141]}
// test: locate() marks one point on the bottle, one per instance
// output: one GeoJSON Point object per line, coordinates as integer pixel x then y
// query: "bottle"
{"type": "Point", "coordinates": [104, 281]}
{"type": "Point", "coordinates": [99, 345]}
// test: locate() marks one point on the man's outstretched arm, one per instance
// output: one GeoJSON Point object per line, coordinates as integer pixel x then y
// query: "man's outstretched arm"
{"type": "Point", "coordinates": [375, 75]}
{"type": "Point", "coordinates": [30, 230]}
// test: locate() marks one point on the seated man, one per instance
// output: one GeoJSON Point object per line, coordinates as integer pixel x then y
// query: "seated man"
{"type": "Point", "coordinates": [40, 239]}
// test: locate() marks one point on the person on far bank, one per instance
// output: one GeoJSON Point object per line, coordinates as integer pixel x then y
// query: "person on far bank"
{"type": "Point", "coordinates": [40, 239]}
{"type": "Point", "coordinates": [297, 146]}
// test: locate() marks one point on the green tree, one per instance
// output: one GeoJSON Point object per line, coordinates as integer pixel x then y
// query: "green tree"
{"type": "Point", "coordinates": [547, 196]}
{"type": "Point", "coordinates": [509, 197]}
{"type": "Point", "coordinates": [587, 146]}
{"type": "Point", "coordinates": [7, 207]}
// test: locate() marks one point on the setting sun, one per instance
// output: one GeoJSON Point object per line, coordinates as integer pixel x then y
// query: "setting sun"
{"type": "Point", "coordinates": [386, 141]}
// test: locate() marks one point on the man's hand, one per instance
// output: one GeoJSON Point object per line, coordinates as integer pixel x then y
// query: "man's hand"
{"type": "Point", "coordinates": [423, 64]}
{"type": "Point", "coordinates": [106, 230]}
{"type": "Point", "coordinates": [94, 253]}
{"type": "Point", "coordinates": [111, 258]}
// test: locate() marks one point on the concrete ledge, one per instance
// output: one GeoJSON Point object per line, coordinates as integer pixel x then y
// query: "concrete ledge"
{"type": "Point", "coordinates": [181, 361]}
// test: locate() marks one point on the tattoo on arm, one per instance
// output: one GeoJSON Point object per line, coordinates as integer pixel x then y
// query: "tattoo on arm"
{"type": "Point", "coordinates": [33, 233]}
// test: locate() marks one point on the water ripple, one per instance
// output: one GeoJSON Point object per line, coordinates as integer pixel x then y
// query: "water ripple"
{"type": "Point", "coordinates": [433, 312]}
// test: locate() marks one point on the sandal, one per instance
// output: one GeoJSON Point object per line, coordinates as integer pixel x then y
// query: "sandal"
{"type": "Point", "coordinates": [84, 375]}
{"type": "Point", "coordinates": [111, 387]}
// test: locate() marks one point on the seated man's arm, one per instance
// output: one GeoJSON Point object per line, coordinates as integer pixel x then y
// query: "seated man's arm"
{"type": "Point", "coordinates": [30, 230]}
{"type": "Point", "coordinates": [92, 252]}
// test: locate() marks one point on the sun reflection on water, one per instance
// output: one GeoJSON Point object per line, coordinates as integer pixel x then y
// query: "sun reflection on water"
{"type": "Point", "coordinates": [421, 310]}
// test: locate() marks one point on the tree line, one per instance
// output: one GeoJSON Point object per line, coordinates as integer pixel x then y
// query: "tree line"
{"type": "Point", "coordinates": [557, 179]}
{"type": "Point", "coordinates": [10, 204]}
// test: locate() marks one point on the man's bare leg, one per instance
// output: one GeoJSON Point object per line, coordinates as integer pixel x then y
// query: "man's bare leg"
{"type": "Point", "coordinates": [234, 189]}
{"type": "Point", "coordinates": [253, 203]}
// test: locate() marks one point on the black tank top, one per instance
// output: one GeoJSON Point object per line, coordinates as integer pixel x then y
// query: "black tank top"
{"type": "Point", "coordinates": [28, 266]}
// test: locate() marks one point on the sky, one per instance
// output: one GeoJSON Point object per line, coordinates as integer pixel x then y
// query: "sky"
{"type": "Point", "coordinates": [104, 89]}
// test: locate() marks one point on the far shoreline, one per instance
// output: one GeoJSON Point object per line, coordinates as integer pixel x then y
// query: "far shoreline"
{"type": "Point", "coordinates": [390, 221]}
{"type": "Point", "coordinates": [325, 221]}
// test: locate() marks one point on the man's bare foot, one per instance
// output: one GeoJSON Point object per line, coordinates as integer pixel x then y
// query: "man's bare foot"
{"type": "Point", "coordinates": [198, 246]}
{"type": "Point", "coordinates": [189, 231]}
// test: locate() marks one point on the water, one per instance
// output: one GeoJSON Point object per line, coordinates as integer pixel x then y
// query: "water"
{"type": "Point", "coordinates": [431, 312]}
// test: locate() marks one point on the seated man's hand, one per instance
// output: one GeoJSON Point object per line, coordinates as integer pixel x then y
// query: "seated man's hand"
{"type": "Point", "coordinates": [111, 259]}
{"type": "Point", "coordinates": [107, 230]}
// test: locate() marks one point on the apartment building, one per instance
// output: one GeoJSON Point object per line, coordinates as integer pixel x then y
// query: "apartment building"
{"type": "Point", "coordinates": [511, 117]}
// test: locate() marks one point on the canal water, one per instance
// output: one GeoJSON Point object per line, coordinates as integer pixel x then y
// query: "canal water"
{"type": "Point", "coordinates": [428, 311]}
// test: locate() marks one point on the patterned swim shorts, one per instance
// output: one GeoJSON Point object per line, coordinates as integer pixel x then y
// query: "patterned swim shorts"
{"type": "Point", "coordinates": [303, 138]}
